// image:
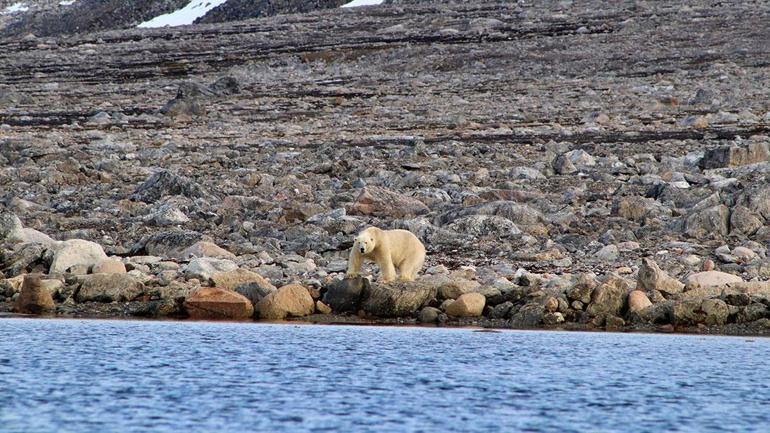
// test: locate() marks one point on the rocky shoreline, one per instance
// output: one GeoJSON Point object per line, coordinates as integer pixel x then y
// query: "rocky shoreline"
{"type": "Point", "coordinates": [567, 166]}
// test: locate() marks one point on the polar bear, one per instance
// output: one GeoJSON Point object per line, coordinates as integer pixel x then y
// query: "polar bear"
{"type": "Point", "coordinates": [389, 249]}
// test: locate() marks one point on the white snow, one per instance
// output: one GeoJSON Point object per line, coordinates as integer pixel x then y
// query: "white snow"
{"type": "Point", "coordinates": [194, 10]}
{"type": "Point", "coordinates": [66, 2]}
{"type": "Point", "coordinates": [356, 3]}
{"type": "Point", "coordinates": [16, 7]}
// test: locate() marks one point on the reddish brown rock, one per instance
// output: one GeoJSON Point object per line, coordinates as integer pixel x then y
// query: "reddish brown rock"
{"type": "Point", "coordinates": [467, 305]}
{"type": "Point", "coordinates": [378, 201]}
{"type": "Point", "coordinates": [34, 298]}
{"type": "Point", "coordinates": [211, 303]}
{"type": "Point", "coordinates": [638, 301]}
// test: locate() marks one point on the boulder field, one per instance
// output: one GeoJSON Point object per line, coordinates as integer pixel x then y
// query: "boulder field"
{"type": "Point", "coordinates": [576, 164]}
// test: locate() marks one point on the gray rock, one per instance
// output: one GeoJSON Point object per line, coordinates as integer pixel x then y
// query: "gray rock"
{"type": "Point", "coordinates": [485, 225]}
{"type": "Point", "coordinates": [609, 298]}
{"type": "Point", "coordinates": [528, 316]}
{"type": "Point", "coordinates": [743, 221]}
{"type": "Point", "coordinates": [734, 156]}
{"type": "Point", "coordinates": [345, 296]}
{"type": "Point", "coordinates": [608, 253]}
{"type": "Point", "coordinates": [517, 213]}
{"type": "Point", "coordinates": [203, 268]}
{"type": "Point", "coordinates": [400, 299]}
{"type": "Point", "coordinates": [501, 311]}
{"type": "Point", "coordinates": [108, 288]}
{"type": "Point", "coordinates": [164, 183]}
{"type": "Point", "coordinates": [651, 278]}
{"type": "Point", "coordinates": [428, 315]}
{"type": "Point", "coordinates": [713, 220]}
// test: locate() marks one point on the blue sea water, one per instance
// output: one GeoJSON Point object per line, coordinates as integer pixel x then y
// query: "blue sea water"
{"type": "Point", "coordinates": [144, 376]}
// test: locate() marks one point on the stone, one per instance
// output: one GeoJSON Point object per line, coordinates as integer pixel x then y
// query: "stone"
{"type": "Point", "coordinates": [711, 279]}
{"type": "Point", "coordinates": [553, 318]}
{"type": "Point", "coordinates": [713, 220]}
{"type": "Point", "coordinates": [109, 266]}
{"type": "Point", "coordinates": [551, 304]}
{"type": "Point", "coordinates": [322, 308]}
{"type": "Point", "coordinates": [637, 301]}
{"type": "Point", "coordinates": [634, 208]}
{"type": "Point", "coordinates": [428, 315]}
{"type": "Point", "coordinates": [467, 305]}
{"type": "Point", "coordinates": [203, 268]}
{"type": "Point", "coordinates": [10, 227]}
{"type": "Point", "coordinates": [528, 316]}
{"type": "Point", "coordinates": [69, 253]}
{"type": "Point", "coordinates": [164, 183]}
{"type": "Point", "coordinates": [239, 277]}
{"type": "Point", "coordinates": [398, 299]}
{"type": "Point", "coordinates": [609, 298]}
{"type": "Point", "coordinates": [485, 225]}
{"type": "Point", "coordinates": [167, 244]}
{"type": "Point", "coordinates": [706, 311]}
{"type": "Point", "coordinates": [608, 253]}
{"type": "Point", "coordinates": [346, 296]}
{"type": "Point", "coordinates": [382, 202]}
{"type": "Point", "coordinates": [563, 165]}
{"type": "Point", "coordinates": [33, 298]}
{"type": "Point", "coordinates": [744, 221]}
{"type": "Point", "coordinates": [583, 288]}
{"type": "Point", "coordinates": [526, 173]}
{"type": "Point", "coordinates": [206, 249]}
{"type": "Point", "coordinates": [614, 323]}
{"type": "Point", "coordinates": [292, 300]}
{"type": "Point", "coordinates": [651, 277]}
{"type": "Point", "coordinates": [456, 287]}
{"type": "Point", "coordinates": [735, 156]}
{"type": "Point", "coordinates": [519, 214]}
{"type": "Point", "coordinates": [108, 288]}
{"type": "Point", "coordinates": [744, 254]}
{"type": "Point", "coordinates": [501, 311]}
{"type": "Point", "coordinates": [212, 303]}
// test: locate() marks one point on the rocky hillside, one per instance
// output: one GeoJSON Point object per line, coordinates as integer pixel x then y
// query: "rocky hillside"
{"type": "Point", "coordinates": [57, 17]}
{"type": "Point", "coordinates": [562, 139]}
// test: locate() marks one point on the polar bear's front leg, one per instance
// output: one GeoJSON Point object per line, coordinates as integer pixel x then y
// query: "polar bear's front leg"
{"type": "Point", "coordinates": [354, 263]}
{"type": "Point", "coordinates": [387, 270]}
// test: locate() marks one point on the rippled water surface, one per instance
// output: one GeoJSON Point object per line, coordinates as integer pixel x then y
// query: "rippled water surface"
{"type": "Point", "coordinates": [125, 376]}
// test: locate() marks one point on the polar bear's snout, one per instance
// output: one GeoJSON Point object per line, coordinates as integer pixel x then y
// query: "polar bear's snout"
{"type": "Point", "coordinates": [363, 249]}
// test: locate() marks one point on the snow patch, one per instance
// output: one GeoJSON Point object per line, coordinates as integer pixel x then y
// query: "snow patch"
{"type": "Point", "coordinates": [194, 10]}
{"type": "Point", "coordinates": [16, 7]}
{"type": "Point", "coordinates": [356, 3]}
{"type": "Point", "coordinates": [66, 2]}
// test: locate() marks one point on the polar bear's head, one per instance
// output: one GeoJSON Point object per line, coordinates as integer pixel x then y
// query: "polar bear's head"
{"type": "Point", "coordinates": [364, 243]}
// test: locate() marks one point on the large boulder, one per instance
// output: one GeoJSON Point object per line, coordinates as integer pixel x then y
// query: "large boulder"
{"type": "Point", "coordinates": [455, 287]}
{"type": "Point", "coordinates": [34, 298]}
{"type": "Point", "coordinates": [206, 249]}
{"type": "Point", "coordinates": [744, 221]}
{"type": "Point", "coordinates": [109, 266]}
{"type": "Point", "coordinates": [637, 301]}
{"type": "Point", "coordinates": [108, 288]}
{"type": "Point", "coordinates": [467, 305]}
{"type": "Point", "coordinates": [485, 225]}
{"type": "Point", "coordinates": [734, 156]}
{"type": "Point", "coordinates": [711, 279]}
{"type": "Point", "coordinates": [345, 296]}
{"type": "Point", "coordinates": [165, 183]}
{"type": "Point", "coordinates": [74, 252]}
{"type": "Point", "coordinates": [528, 316]}
{"type": "Point", "coordinates": [712, 220]}
{"type": "Point", "coordinates": [291, 300]}
{"type": "Point", "coordinates": [204, 268]}
{"type": "Point", "coordinates": [398, 299]}
{"type": "Point", "coordinates": [706, 311]}
{"type": "Point", "coordinates": [212, 303]}
{"type": "Point", "coordinates": [247, 283]}
{"type": "Point", "coordinates": [651, 277]}
{"type": "Point", "coordinates": [382, 202]}
{"type": "Point", "coordinates": [609, 298]}
{"type": "Point", "coordinates": [519, 214]}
